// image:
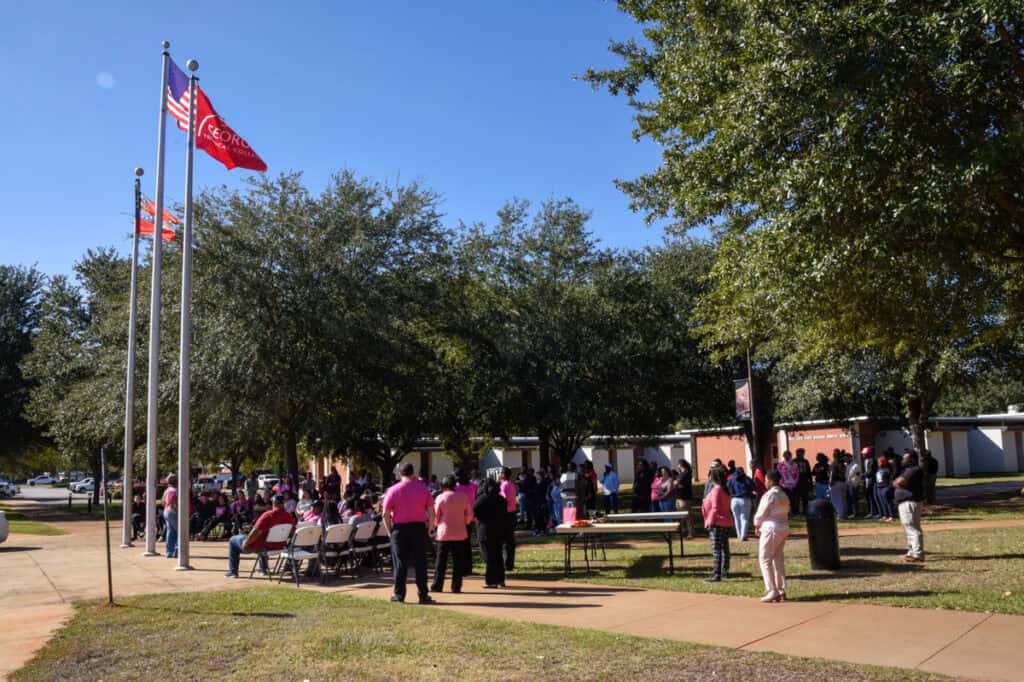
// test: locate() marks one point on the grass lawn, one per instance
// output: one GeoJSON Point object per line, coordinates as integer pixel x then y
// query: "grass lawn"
{"type": "Point", "coordinates": [18, 523]}
{"type": "Point", "coordinates": [282, 633]}
{"type": "Point", "coordinates": [975, 480]}
{"type": "Point", "coordinates": [969, 570]}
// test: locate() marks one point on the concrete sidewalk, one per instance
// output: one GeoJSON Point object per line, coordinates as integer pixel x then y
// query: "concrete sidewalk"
{"type": "Point", "coordinates": [43, 576]}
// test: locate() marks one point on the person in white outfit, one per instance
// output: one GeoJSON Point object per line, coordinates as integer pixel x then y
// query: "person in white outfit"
{"type": "Point", "coordinates": [771, 522]}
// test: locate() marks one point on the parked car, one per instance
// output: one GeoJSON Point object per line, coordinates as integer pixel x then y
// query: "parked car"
{"type": "Point", "coordinates": [206, 484]}
{"type": "Point", "coordinates": [8, 488]}
{"type": "Point", "coordinates": [267, 481]}
{"type": "Point", "coordinates": [42, 479]}
{"type": "Point", "coordinates": [3, 526]}
{"type": "Point", "coordinates": [86, 485]}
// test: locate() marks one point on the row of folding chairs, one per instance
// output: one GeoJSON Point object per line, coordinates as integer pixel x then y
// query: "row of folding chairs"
{"type": "Point", "coordinates": [335, 548]}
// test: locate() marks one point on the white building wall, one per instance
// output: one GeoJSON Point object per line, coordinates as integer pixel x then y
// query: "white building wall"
{"type": "Point", "coordinates": [897, 439]}
{"type": "Point", "coordinates": [986, 449]}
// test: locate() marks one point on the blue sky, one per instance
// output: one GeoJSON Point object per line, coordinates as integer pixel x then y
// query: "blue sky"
{"type": "Point", "coordinates": [473, 99]}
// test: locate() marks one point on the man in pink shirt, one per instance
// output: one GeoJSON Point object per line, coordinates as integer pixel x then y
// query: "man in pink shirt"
{"type": "Point", "coordinates": [409, 516]}
{"type": "Point", "coordinates": [507, 490]}
{"type": "Point", "coordinates": [453, 513]}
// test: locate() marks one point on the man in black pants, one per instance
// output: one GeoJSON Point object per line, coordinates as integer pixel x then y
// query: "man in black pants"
{"type": "Point", "coordinates": [409, 516]}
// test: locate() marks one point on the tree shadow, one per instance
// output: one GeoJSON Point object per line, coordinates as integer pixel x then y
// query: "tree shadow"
{"type": "Point", "coordinates": [872, 551]}
{"type": "Point", "coordinates": [526, 605]}
{"type": "Point", "coordinates": [848, 596]}
{"type": "Point", "coordinates": [864, 568]}
{"type": "Point", "coordinates": [986, 557]}
{"type": "Point", "coordinates": [13, 549]}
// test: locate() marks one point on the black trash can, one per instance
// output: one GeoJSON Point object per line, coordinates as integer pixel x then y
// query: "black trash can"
{"type": "Point", "coordinates": [823, 536]}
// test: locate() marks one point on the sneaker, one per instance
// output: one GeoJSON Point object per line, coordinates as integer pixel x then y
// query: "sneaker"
{"type": "Point", "coordinates": [456, 591]}
{"type": "Point", "coordinates": [426, 599]}
{"type": "Point", "coordinates": [437, 589]}
{"type": "Point", "coordinates": [713, 579]}
{"type": "Point", "coordinates": [770, 597]}
{"type": "Point", "coordinates": [230, 574]}
{"type": "Point", "coordinates": [914, 559]}
{"type": "Point", "coordinates": [395, 598]}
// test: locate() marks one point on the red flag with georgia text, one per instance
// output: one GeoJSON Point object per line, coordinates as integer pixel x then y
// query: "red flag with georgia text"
{"type": "Point", "coordinates": [213, 135]}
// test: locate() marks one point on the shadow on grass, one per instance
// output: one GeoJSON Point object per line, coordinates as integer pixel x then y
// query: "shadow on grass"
{"type": "Point", "coordinates": [12, 550]}
{"type": "Point", "coordinates": [848, 596]}
{"type": "Point", "coordinates": [571, 591]}
{"type": "Point", "coordinates": [861, 568]}
{"type": "Point", "coordinates": [986, 557]}
{"type": "Point", "coordinates": [237, 614]}
{"type": "Point", "coordinates": [513, 604]}
{"type": "Point", "coordinates": [872, 551]}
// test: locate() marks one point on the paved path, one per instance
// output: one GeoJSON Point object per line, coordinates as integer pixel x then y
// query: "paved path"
{"type": "Point", "coordinates": [43, 576]}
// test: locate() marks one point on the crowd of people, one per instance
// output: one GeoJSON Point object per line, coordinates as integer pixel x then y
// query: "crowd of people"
{"type": "Point", "coordinates": [889, 482]}
{"type": "Point", "coordinates": [420, 512]}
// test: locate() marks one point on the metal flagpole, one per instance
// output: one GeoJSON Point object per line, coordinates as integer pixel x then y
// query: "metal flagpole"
{"type": "Point", "coordinates": [755, 455]}
{"type": "Point", "coordinates": [128, 486]}
{"type": "Point", "coordinates": [152, 412]}
{"type": "Point", "coordinates": [185, 377]}
{"type": "Point", "coordinates": [106, 523]}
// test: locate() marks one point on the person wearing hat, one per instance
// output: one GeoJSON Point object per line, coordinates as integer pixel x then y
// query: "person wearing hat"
{"type": "Point", "coordinates": [255, 541]}
{"type": "Point", "coordinates": [610, 481]}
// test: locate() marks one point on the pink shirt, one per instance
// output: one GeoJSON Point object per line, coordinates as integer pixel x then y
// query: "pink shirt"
{"type": "Point", "coordinates": [452, 511]}
{"type": "Point", "coordinates": [508, 491]}
{"type": "Point", "coordinates": [311, 516]}
{"type": "Point", "coordinates": [655, 484]}
{"type": "Point", "coordinates": [408, 501]}
{"type": "Point", "coordinates": [171, 498]}
{"type": "Point", "coordinates": [469, 490]}
{"type": "Point", "coordinates": [717, 509]}
{"type": "Point", "coordinates": [790, 473]}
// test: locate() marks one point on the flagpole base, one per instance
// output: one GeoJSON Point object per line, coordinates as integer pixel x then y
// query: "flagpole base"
{"type": "Point", "coordinates": [183, 568]}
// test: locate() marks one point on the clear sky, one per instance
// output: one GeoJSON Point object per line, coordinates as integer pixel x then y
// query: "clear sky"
{"type": "Point", "coordinates": [474, 99]}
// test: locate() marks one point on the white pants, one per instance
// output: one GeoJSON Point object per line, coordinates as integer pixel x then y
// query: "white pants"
{"type": "Point", "coordinates": [771, 553]}
{"type": "Point", "coordinates": [910, 517]}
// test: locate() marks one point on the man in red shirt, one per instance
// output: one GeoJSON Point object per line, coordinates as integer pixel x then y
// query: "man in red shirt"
{"type": "Point", "coordinates": [255, 541]}
{"type": "Point", "coordinates": [409, 516]}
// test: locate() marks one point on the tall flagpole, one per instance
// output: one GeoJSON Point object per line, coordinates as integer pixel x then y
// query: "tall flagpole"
{"type": "Point", "coordinates": [185, 378]}
{"type": "Point", "coordinates": [128, 486]}
{"type": "Point", "coordinates": [152, 412]}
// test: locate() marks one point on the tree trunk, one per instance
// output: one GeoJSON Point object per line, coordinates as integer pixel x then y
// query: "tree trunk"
{"type": "Point", "coordinates": [97, 476]}
{"type": "Point", "coordinates": [291, 449]}
{"type": "Point", "coordinates": [545, 450]}
{"type": "Point", "coordinates": [917, 421]}
{"type": "Point", "coordinates": [387, 463]}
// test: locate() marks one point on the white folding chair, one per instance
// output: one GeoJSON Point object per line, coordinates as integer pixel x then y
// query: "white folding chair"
{"type": "Point", "coordinates": [276, 535]}
{"type": "Point", "coordinates": [381, 542]}
{"type": "Point", "coordinates": [361, 546]}
{"type": "Point", "coordinates": [335, 550]}
{"type": "Point", "coordinates": [302, 547]}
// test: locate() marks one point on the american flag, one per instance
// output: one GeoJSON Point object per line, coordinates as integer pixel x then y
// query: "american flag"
{"type": "Point", "coordinates": [177, 95]}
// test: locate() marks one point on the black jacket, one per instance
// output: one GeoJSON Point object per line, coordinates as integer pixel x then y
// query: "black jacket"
{"type": "Point", "coordinates": [491, 512]}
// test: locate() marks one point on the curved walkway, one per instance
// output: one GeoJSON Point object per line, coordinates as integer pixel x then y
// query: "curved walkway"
{"type": "Point", "coordinates": [43, 576]}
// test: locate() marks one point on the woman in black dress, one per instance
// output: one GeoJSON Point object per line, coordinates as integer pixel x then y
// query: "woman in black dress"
{"type": "Point", "coordinates": [492, 525]}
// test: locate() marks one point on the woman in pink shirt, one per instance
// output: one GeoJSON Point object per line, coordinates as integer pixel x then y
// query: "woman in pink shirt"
{"type": "Point", "coordinates": [717, 508]}
{"type": "Point", "coordinates": [655, 486]}
{"type": "Point", "coordinates": [452, 513]}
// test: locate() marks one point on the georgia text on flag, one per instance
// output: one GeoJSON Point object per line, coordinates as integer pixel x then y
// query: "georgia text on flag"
{"type": "Point", "coordinates": [213, 135]}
